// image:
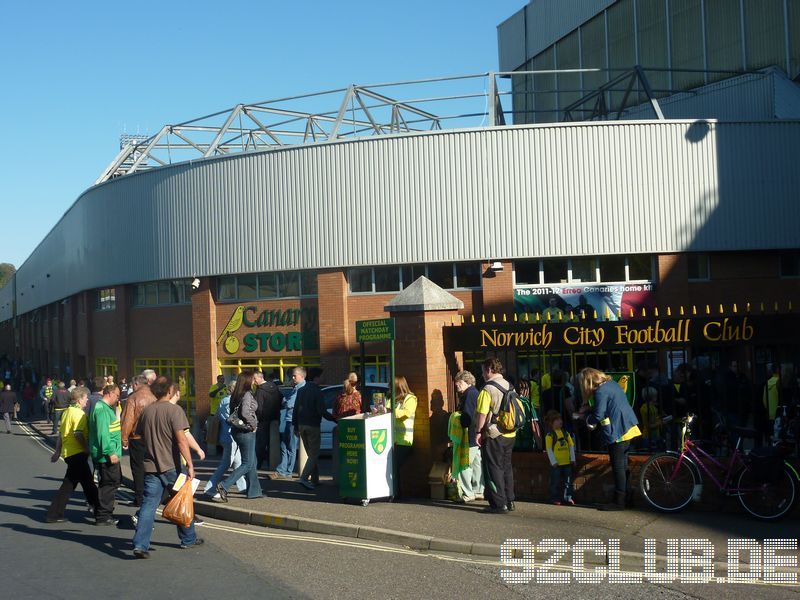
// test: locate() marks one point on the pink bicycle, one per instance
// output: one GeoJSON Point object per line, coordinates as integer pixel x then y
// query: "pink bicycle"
{"type": "Point", "coordinates": [764, 483]}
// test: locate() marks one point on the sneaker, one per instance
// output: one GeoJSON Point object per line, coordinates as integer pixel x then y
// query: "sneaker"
{"type": "Point", "coordinates": [495, 511]}
{"type": "Point", "coordinates": [223, 493]}
{"type": "Point", "coordinates": [58, 520]}
{"type": "Point", "coordinates": [556, 502]}
{"type": "Point", "coordinates": [197, 542]}
{"type": "Point", "coordinates": [511, 506]}
{"type": "Point", "coordinates": [108, 522]}
{"type": "Point", "coordinates": [569, 502]}
{"type": "Point", "coordinates": [135, 519]}
{"type": "Point", "coordinates": [138, 553]}
{"type": "Point", "coordinates": [307, 484]}
{"type": "Point", "coordinates": [198, 522]}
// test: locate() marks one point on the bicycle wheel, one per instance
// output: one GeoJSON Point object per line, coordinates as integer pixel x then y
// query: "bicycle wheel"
{"type": "Point", "coordinates": [666, 484]}
{"type": "Point", "coordinates": [767, 501]}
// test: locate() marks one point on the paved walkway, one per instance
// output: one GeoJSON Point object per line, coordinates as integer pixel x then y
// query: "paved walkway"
{"type": "Point", "coordinates": [442, 525]}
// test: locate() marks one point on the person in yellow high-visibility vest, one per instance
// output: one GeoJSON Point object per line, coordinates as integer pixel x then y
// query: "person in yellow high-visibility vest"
{"type": "Point", "coordinates": [772, 396]}
{"type": "Point", "coordinates": [405, 407]}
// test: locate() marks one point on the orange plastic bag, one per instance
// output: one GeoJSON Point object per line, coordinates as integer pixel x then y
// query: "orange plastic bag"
{"type": "Point", "coordinates": [180, 508]}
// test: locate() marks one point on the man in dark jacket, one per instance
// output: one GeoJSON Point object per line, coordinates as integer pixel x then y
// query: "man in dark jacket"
{"type": "Point", "coordinates": [7, 401]}
{"type": "Point", "coordinates": [268, 398]}
{"type": "Point", "coordinates": [309, 410]}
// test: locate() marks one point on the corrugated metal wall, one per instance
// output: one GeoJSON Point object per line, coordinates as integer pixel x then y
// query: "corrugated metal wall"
{"type": "Point", "coordinates": [547, 22]}
{"type": "Point", "coordinates": [565, 190]}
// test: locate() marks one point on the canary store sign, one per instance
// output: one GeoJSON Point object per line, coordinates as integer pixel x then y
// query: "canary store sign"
{"type": "Point", "coordinates": [612, 335]}
{"type": "Point", "coordinates": [251, 329]}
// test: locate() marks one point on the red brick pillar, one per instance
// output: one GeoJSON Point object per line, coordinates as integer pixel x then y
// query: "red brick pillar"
{"type": "Point", "coordinates": [204, 338]}
{"type": "Point", "coordinates": [498, 290]}
{"type": "Point", "coordinates": [334, 328]}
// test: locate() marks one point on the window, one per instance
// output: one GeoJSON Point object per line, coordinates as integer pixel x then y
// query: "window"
{"type": "Point", "coordinates": [393, 279]}
{"type": "Point", "coordinates": [387, 279]}
{"type": "Point", "coordinates": [723, 37]}
{"type": "Point", "coordinates": [699, 269]}
{"type": "Point", "coordinates": [360, 279]}
{"type": "Point", "coordinates": [651, 24]}
{"type": "Point", "coordinates": [181, 371]}
{"type": "Point", "coordinates": [264, 286]}
{"type": "Point", "coordinates": [104, 365]}
{"type": "Point", "coordinates": [441, 275]}
{"type": "Point", "coordinates": [376, 368]}
{"type": "Point", "coordinates": [764, 33]}
{"type": "Point", "coordinates": [593, 52]}
{"type": "Point", "coordinates": [583, 270]}
{"type": "Point", "coordinates": [545, 101]}
{"type": "Point", "coordinates": [790, 264]}
{"type": "Point", "coordinates": [468, 275]}
{"type": "Point", "coordinates": [288, 284]}
{"type": "Point", "coordinates": [686, 32]}
{"type": "Point", "coordinates": [106, 299]}
{"type": "Point", "coordinates": [274, 367]}
{"type": "Point", "coordinates": [640, 267]}
{"type": "Point", "coordinates": [621, 42]}
{"type": "Point", "coordinates": [555, 270]}
{"type": "Point", "coordinates": [612, 268]}
{"type": "Point", "coordinates": [153, 293]}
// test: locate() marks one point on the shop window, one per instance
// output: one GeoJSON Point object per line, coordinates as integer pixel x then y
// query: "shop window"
{"type": "Point", "coordinates": [468, 275]}
{"type": "Point", "coordinates": [612, 268]}
{"type": "Point", "coordinates": [360, 279]}
{"type": "Point", "coordinates": [699, 269]}
{"type": "Point", "coordinates": [106, 299]}
{"type": "Point", "coordinates": [441, 275]}
{"type": "Point", "coordinates": [387, 279]}
{"type": "Point", "coordinates": [555, 270]}
{"type": "Point", "coordinates": [274, 367]}
{"type": "Point", "coordinates": [104, 365]}
{"type": "Point", "coordinates": [526, 272]}
{"type": "Point", "coordinates": [246, 286]}
{"type": "Point", "coordinates": [288, 284]}
{"type": "Point", "coordinates": [790, 264]}
{"type": "Point", "coordinates": [181, 372]}
{"type": "Point", "coordinates": [583, 270]}
{"type": "Point", "coordinates": [376, 367]}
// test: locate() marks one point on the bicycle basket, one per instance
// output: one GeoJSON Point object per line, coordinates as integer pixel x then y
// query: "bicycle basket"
{"type": "Point", "coordinates": [766, 465]}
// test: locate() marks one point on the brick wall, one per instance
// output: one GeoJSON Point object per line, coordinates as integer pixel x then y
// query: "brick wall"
{"type": "Point", "coordinates": [204, 342]}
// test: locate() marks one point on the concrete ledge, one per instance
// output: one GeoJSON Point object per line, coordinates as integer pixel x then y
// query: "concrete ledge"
{"type": "Point", "coordinates": [492, 550]}
{"type": "Point", "coordinates": [442, 545]}
{"type": "Point", "coordinates": [411, 540]}
{"type": "Point", "coordinates": [328, 527]}
{"type": "Point", "coordinates": [276, 521]}
{"type": "Point", "coordinates": [234, 515]}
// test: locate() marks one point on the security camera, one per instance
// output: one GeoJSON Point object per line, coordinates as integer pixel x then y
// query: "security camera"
{"type": "Point", "coordinates": [195, 283]}
{"type": "Point", "coordinates": [496, 266]}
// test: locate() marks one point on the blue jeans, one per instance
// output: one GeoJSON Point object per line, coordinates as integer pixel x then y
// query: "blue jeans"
{"type": "Point", "coordinates": [289, 443]}
{"type": "Point", "coordinates": [154, 486]}
{"type": "Point", "coordinates": [247, 446]}
{"type": "Point", "coordinates": [231, 457]}
{"type": "Point", "coordinates": [57, 414]}
{"type": "Point", "coordinates": [557, 474]}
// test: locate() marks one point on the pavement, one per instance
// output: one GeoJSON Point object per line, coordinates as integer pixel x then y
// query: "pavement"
{"type": "Point", "coordinates": [428, 525]}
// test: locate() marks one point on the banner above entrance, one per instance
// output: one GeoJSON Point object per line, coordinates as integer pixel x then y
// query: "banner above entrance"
{"type": "Point", "coordinates": [607, 302]}
{"type": "Point", "coordinates": [616, 335]}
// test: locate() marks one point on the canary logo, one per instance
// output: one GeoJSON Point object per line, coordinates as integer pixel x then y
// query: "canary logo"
{"type": "Point", "coordinates": [226, 338]}
{"type": "Point", "coordinates": [623, 383]}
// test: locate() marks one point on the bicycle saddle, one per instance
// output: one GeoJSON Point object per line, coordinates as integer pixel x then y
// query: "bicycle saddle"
{"type": "Point", "coordinates": [746, 432]}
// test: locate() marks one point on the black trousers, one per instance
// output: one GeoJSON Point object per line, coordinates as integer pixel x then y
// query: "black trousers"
{"type": "Point", "coordinates": [110, 480]}
{"type": "Point", "coordinates": [497, 472]}
{"type": "Point", "coordinates": [618, 456]}
{"type": "Point", "coordinates": [78, 472]}
{"type": "Point", "coordinates": [136, 451]}
{"type": "Point", "coordinates": [262, 443]}
{"type": "Point", "coordinates": [402, 454]}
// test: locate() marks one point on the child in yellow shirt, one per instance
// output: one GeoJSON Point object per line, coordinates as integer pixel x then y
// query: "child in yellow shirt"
{"type": "Point", "coordinates": [561, 452]}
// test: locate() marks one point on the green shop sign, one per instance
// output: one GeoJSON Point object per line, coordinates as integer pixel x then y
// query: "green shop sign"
{"type": "Point", "coordinates": [375, 330]}
{"type": "Point", "coordinates": [249, 317]}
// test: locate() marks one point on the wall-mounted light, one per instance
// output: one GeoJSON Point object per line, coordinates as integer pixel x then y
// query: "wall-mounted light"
{"type": "Point", "coordinates": [195, 283]}
{"type": "Point", "coordinates": [496, 266]}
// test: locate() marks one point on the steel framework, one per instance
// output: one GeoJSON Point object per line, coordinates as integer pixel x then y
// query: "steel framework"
{"type": "Point", "coordinates": [363, 111]}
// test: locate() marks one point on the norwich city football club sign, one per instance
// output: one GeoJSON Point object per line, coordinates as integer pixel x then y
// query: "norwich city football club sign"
{"type": "Point", "coordinates": [239, 335]}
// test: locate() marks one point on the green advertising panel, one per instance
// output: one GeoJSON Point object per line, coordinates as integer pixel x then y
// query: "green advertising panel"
{"type": "Point", "coordinates": [352, 459]}
{"type": "Point", "coordinates": [375, 330]}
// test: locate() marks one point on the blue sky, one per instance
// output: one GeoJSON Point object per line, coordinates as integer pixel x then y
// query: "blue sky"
{"type": "Point", "coordinates": [76, 75]}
